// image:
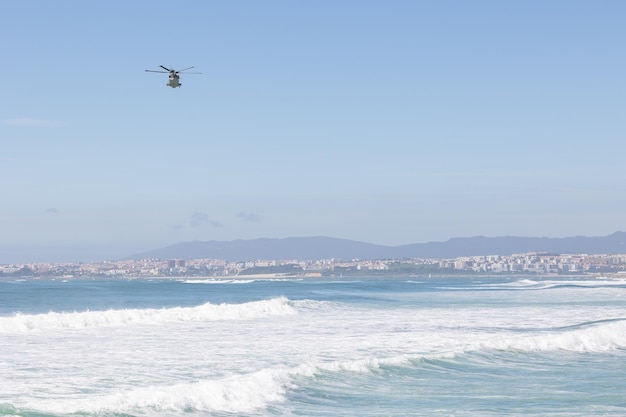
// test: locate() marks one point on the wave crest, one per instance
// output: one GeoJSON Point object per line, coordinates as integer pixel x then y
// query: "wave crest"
{"type": "Point", "coordinates": [236, 394]}
{"type": "Point", "coordinates": [87, 319]}
{"type": "Point", "coordinates": [595, 337]}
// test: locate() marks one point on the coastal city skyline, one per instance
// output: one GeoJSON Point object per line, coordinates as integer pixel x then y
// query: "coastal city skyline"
{"type": "Point", "coordinates": [380, 122]}
{"type": "Point", "coordinates": [535, 263]}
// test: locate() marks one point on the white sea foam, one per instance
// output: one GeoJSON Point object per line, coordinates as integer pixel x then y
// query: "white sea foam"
{"type": "Point", "coordinates": [237, 280]}
{"type": "Point", "coordinates": [241, 393]}
{"type": "Point", "coordinates": [218, 281]}
{"type": "Point", "coordinates": [234, 394]}
{"type": "Point", "coordinates": [212, 360]}
{"type": "Point", "coordinates": [87, 319]}
{"type": "Point", "coordinates": [544, 284]}
{"type": "Point", "coordinates": [257, 390]}
{"type": "Point", "coordinates": [598, 338]}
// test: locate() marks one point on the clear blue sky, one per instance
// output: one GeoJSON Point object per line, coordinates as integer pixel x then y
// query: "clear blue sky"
{"type": "Point", "coordinates": [389, 122]}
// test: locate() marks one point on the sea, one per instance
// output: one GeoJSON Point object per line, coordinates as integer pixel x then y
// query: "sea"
{"type": "Point", "coordinates": [335, 346]}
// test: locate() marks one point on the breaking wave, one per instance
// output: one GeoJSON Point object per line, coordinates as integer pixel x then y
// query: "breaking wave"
{"type": "Point", "coordinates": [531, 284]}
{"type": "Point", "coordinates": [601, 336]}
{"type": "Point", "coordinates": [241, 393]}
{"type": "Point", "coordinates": [206, 312]}
{"type": "Point", "coordinates": [238, 280]}
{"type": "Point", "coordinates": [267, 387]}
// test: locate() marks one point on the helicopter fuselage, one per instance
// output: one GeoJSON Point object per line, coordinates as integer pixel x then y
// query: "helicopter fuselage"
{"type": "Point", "coordinates": [174, 80]}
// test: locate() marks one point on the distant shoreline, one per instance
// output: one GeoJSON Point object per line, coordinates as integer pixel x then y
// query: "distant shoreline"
{"type": "Point", "coordinates": [381, 276]}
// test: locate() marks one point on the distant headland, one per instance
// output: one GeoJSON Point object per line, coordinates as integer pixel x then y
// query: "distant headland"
{"type": "Point", "coordinates": [303, 248]}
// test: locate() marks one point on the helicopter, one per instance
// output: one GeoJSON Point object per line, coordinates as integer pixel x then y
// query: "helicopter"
{"type": "Point", "coordinates": [174, 77]}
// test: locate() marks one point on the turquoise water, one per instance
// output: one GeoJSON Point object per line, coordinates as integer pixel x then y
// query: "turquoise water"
{"type": "Point", "coordinates": [313, 347]}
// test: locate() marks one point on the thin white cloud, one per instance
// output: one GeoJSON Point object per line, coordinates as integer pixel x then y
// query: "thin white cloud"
{"type": "Point", "coordinates": [31, 122]}
{"type": "Point", "coordinates": [52, 210]}
{"type": "Point", "coordinates": [249, 217]}
{"type": "Point", "coordinates": [198, 219]}
{"type": "Point", "coordinates": [216, 224]}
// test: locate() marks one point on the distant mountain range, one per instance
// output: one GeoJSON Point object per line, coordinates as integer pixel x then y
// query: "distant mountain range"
{"type": "Point", "coordinates": [304, 248]}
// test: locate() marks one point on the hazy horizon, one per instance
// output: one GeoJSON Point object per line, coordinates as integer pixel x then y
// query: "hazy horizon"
{"type": "Point", "coordinates": [51, 254]}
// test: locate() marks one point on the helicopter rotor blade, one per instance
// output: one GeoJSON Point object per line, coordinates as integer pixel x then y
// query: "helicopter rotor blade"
{"type": "Point", "coordinates": [168, 70]}
{"type": "Point", "coordinates": [185, 69]}
{"type": "Point", "coordinates": [162, 72]}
